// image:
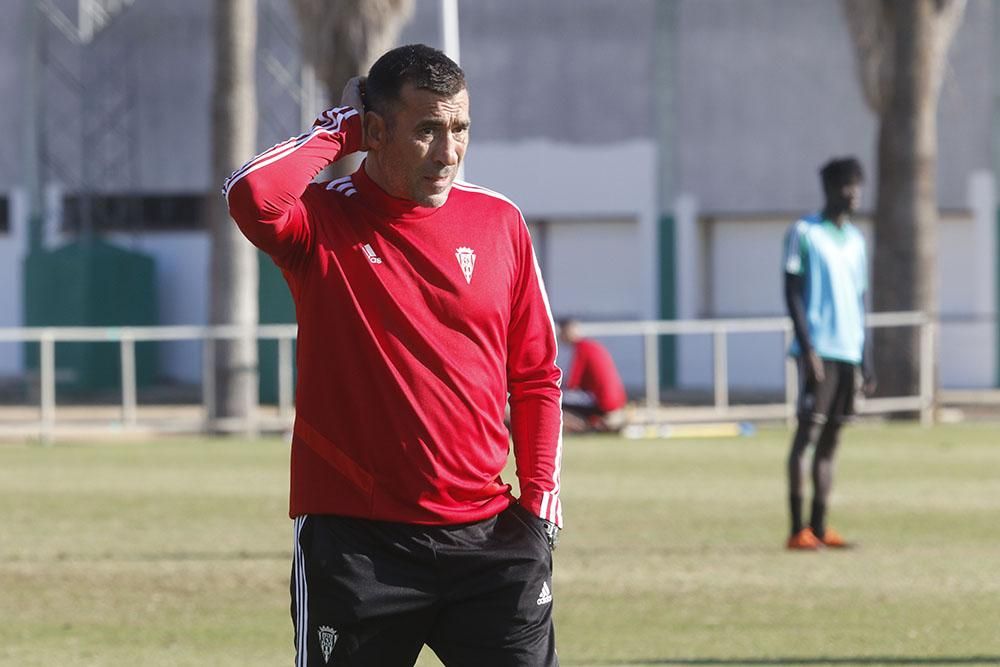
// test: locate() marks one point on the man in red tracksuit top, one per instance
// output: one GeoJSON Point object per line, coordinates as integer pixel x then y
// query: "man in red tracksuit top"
{"type": "Point", "coordinates": [420, 308]}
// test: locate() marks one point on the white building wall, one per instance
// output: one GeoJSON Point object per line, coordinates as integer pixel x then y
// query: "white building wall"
{"type": "Point", "coordinates": [967, 274]}
{"type": "Point", "coordinates": [743, 278]}
{"type": "Point", "coordinates": [599, 258]}
{"type": "Point", "coordinates": [601, 247]}
{"type": "Point", "coordinates": [602, 267]}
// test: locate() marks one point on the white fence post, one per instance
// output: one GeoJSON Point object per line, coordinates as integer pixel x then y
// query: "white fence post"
{"type": "Point", "coordinates": [927, 373]}
{"type": "Point", "coordinates": [720, 356]}
{"type": "Point", "coordinates": [47, 378]}
{"type": "Point", "coordinates": [208, 380]}
{"type": "Point", "coordinates": [129, 391]}
{"type": "Point", "coordinates": [285, 377]}
{"type": "Point", "coordinates": [652, 346]}
{"type": "Point", "coordinates": [251, 407]}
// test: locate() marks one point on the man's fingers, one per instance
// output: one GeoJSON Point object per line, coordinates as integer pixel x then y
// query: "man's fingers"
{"type": "Point", "coordinates": [816, 367]}
{"type": "Point", "coordinates": [818, 372]}
{"type": "Point", "coordinates": [353, 95]}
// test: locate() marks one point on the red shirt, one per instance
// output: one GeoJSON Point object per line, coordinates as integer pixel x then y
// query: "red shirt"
{"type": "Point", "coordinates": [593, 370]}
{"type": "Point", "coordinates": [414, 324]}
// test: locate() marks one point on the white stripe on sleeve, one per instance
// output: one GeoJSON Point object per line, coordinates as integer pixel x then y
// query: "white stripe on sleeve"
{"type": "Point", "coordinates": [286, 148]}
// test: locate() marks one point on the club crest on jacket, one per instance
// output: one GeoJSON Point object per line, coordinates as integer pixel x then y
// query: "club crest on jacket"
{"type": "Point", "coordinates": [466, 260]}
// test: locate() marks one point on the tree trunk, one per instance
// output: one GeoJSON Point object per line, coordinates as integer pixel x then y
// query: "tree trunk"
{"type": "Point", "coordinates": [905, 269]}
{"type": "Point", "coordinates": [341, 39]}
{"type": "Point", "coordinates": [233, 261]}
{"type": "Point", "coordinates": [902, 47]}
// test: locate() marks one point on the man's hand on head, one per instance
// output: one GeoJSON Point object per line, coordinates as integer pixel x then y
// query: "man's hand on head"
{"type": "Point", "coordinates": [354, 94]}
{"type": "Point", "coordinates": [354, 97]}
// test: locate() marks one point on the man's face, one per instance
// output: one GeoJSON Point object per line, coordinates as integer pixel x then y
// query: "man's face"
{"type": "Point", "coordinates": [847, 197]}
{"type": "Point", "coordinates": [420, 146]}
{"type": "Point", "coordinates": [569, 332]}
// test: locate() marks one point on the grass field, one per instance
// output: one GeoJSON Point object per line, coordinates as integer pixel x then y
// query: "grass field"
{"type": "Point", "coordinates": [174, 553]}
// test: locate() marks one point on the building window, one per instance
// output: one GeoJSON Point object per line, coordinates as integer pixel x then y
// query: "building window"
{"type": "Point", "coordinates": [134, 212]}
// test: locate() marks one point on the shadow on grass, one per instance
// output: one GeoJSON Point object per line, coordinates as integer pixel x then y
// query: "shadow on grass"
{"type": "Point", "coordinates": [823, 660]}
{"type": "Point", "coordinates": [166, 556]}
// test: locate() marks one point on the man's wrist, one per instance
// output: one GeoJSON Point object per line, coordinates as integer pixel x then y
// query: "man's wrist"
{"type": "Point", "coordinates": [550, 528]}
{"type": "Point", "coordinates": [551, 532]}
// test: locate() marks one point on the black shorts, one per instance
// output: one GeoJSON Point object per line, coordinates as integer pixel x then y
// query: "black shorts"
{"type": "Point", "coordinates": [373, 593]}
{"type": "Point", "coordinates": [581, 403]}
{"type": "Point", "coordinates": [833, 398]}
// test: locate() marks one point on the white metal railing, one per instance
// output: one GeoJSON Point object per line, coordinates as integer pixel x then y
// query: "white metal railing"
{"type": "Point", "coordinates": [127, 337]}
{"type": "Point", "coordinates": [720, 330]}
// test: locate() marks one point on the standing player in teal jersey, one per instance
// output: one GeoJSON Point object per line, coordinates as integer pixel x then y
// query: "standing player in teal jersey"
{"type": "Point", "coordinates": [826, 275]}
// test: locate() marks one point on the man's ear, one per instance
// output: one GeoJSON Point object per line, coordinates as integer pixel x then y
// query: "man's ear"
{"type": "Point", "coordinates": [375, 130]}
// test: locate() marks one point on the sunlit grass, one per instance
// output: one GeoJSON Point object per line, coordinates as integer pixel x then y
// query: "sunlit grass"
{"type": "Point", "coordinates": [171, 553]}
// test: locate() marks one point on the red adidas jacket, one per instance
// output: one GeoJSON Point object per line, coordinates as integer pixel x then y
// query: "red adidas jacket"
{"type": "Point", "coordinates": [414, 324]}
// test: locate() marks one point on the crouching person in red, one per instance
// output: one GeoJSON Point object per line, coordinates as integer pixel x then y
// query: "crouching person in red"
{"type": "Point", "coordinates": [593, 393]}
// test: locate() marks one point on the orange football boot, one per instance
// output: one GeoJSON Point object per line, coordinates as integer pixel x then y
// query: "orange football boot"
{"type": "Point", "coordinates": [804, 540]}
{"type": "Point", "coordinates": [834, 540]}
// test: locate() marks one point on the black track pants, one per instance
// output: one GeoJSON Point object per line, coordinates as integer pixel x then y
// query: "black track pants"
{"type": "Point", "coordinates": [373, 593]}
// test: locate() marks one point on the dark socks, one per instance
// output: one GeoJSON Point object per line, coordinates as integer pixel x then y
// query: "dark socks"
{"type": "Point", "coordinates": [818, 520]}
{"type": "Point", "coordinates": [826, 446]}
{"type": "Point", "coordinates": [806, 435]}
{"type": "Point", "coordinates": [795, 505]}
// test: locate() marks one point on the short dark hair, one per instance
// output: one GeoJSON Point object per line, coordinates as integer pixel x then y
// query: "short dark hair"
{"type": "Point", "coordinates": [565, 321]}
{"type": "Point", "coordinates": [841, 171]}
{"type": "Point", "coordinates": [418, 64]}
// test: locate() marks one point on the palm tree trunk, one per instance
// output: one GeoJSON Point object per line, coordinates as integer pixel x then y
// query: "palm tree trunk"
{"type": "Point", "coordinates": [341, 39]}
{"type": "Point", "coordinates": [233, 261]}
{"type": "Point", "coordinates": [905, 270]}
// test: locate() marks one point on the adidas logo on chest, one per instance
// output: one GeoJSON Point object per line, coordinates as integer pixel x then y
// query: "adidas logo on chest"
{"type": "Point", "coordinates": [466, 259]}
